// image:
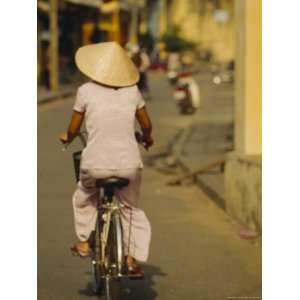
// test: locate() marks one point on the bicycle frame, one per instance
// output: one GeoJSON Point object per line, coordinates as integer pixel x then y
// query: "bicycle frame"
{"type": "Point", "coordinates": [106, 211]}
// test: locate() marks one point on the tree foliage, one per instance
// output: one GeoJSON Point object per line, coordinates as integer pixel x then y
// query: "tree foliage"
{"type": "Point", "coordinates": [174, 42]}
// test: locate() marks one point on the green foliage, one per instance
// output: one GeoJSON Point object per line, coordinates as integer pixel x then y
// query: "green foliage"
{"type": "Point", "coordinates": [174, 42]}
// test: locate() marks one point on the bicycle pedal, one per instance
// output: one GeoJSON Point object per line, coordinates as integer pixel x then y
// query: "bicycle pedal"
{"type": "Point", "coordinates": [135, 277]}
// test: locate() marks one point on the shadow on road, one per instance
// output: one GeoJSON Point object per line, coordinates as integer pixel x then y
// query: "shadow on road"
{"type": "Point", "coordinates": [134, 289]}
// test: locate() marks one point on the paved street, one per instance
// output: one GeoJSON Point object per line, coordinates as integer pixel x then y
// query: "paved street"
{"type": "Point", "coordinates": [196, 252]}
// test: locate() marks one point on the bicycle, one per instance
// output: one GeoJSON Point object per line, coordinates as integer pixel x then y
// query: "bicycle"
{"type": "Point", "coordinates": [108, 262]}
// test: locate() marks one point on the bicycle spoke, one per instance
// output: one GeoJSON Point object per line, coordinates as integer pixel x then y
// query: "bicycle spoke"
{"type": "Point", "coordinates": [112, 288]}
{"type": "Point", "coordinates": [97, 280]}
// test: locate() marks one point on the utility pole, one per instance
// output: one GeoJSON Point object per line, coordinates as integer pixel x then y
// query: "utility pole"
{"type": "Point", "coordinates": [134, 23]}
{"type": "Point", "coordinates": [116, 23]}
{"type": "Point", "coordinates": [53, 53]}
{"type": "Point", "coordinates": [135, 6]}
{"type": "Point", "coordinates": [163, 17]}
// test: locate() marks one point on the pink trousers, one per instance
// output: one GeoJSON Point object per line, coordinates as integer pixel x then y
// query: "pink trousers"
{"type": "Point", "coordinates": [136, 227]}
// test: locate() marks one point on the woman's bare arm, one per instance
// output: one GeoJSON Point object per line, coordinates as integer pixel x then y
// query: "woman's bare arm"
{"type": "Point", "coordinates": [74, 127]}
{"type": "Point", "coordinates": [146, 126]}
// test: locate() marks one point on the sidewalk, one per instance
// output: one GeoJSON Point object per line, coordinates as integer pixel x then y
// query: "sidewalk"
{"type": "Point", "coordinates": [211, 137]}
{"type": "Point", "coordinates": [208, 133]}
{"type": "Point", "coordinates": [44, 95]}
{"type": "Point", "coordinates": [66, 88]}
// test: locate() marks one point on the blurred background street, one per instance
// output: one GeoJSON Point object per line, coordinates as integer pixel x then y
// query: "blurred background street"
{"type": "Point", "coordinates": [202, 178]}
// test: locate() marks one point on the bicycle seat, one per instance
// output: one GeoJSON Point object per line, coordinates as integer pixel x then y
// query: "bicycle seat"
{"type": "Point", "coordinates": [112, 182]}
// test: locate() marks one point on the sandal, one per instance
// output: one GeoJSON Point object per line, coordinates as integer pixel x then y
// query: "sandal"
{"type": "Point", "coordinates": [76, 251]}
{"type": "Point", "coordinates": [134, 270]}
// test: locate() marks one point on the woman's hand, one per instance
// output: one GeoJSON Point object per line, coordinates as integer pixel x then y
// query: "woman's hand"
{"type": "Point", "coordinates": [74, 127]}
{"type": "Point", "coordinates": [64, 137]}
{"type": "Point", "coordinates": [146, 126]}
{"type": "Point", "coordinates": [148, 142]}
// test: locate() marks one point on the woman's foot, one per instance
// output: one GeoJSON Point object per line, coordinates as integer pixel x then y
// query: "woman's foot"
{"type": "Point", "coordinates": [134, 269]}
{"type": "Point", "coordinates": [81, 249]}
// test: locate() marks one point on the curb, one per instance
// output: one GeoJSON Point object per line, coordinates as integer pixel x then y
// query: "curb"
{"type": "Point", "coordinates": [55, 96]}
{"type": "Point", "coordinates": [208, 190]}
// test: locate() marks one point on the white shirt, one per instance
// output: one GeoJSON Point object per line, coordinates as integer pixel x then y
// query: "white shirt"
{"type": "Point", "coordinates": [110, 119]}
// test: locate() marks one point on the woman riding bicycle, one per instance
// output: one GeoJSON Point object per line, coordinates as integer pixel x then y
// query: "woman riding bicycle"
{"type": "Point", "coordinates": [110, 102]}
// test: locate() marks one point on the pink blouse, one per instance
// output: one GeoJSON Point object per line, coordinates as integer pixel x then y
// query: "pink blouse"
{"type": "Point", "coordinates": [110, 123]}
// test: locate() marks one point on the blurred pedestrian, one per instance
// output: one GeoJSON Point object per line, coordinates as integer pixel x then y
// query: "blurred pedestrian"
{"type": "Point", "coordinates": [142, 62]}
{"type": "Point", "coordinates": [110, 103]}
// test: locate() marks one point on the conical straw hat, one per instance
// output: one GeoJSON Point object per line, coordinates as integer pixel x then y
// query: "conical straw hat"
{"type": "Point", "coordinates": [107, 63]}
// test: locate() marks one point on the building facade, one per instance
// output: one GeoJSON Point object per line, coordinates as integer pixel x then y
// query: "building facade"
{"type": "Point", "coordinates": [208, 23]}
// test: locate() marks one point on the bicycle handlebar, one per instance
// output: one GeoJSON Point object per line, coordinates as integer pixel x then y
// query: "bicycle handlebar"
{"type": "Point", "coordinates": [82, 138]}
{"type": "Point", "coordinates": [139, 137]}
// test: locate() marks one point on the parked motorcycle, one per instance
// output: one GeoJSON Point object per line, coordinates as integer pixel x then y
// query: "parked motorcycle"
{"type": "Point", "coordinates": [186, 92]}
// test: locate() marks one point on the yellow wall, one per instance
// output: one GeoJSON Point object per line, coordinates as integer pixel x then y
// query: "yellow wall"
{"type": "Point", "coordinates": [248, 131]}
{"type": "Point", "coordinates": [202, 28]}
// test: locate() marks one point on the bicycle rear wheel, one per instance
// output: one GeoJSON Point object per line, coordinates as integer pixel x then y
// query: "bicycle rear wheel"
{"type": "Point", "coordinates": [97, 270]}
{"type": "Point", "coordinates": [115, 258]}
